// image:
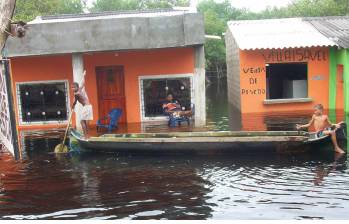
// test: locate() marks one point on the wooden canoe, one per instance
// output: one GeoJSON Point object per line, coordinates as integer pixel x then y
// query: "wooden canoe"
{"type": "Point", "coordinates": [197, 142]}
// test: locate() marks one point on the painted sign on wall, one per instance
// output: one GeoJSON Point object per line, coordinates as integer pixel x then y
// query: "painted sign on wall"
{"type": "Point", "coordinates": [294, 55]}
{"type": "Point", "coordinates": [254, 84]}
{"type": "Point", "coordinates": [254, 76]}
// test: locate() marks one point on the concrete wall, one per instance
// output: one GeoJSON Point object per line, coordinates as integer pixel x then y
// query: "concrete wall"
{"type": "Point", "coordinates": [109, 34]}
{"type": "Point", "coordinates": [199, 85]}
{"type": "Point", "coordinates": [233, 71]}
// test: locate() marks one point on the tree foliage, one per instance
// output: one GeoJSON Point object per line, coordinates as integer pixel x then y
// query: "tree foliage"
{"type": "Point", "coordinates": [112, 5]}
{"type": "Point", "coordinates": [27, 10]}
{"type": "Point", "coordinates": [218, 13]}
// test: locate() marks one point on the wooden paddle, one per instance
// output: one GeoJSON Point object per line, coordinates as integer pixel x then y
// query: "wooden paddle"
{"type": "Point", "coordinates": [62, 148]}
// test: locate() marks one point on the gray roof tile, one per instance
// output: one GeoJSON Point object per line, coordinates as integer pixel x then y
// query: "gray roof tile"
{"type": "Point", "coordinates": [335, 28]}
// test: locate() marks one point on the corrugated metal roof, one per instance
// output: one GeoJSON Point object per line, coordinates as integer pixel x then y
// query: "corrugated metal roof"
{"type": "Point", "coordinates": [336, 28]}
{"type": "Point", "coordinates": [276, 34]}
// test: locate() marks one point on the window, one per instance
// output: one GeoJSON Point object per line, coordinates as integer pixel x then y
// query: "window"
{"type": "Point", "coordinates": [287, 81]}
{"type": "Point", "coordinates": [42, 102]}
{"type": "Point", "coordinates": [155, 90]}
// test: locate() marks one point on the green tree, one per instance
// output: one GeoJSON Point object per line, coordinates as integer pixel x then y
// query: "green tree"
{"type": "Point", "coordinates": [112, 5]}
{"type": "Point", "coordinates": [307, 8]}
{"type": "Point", "coordinates": [27, 10]}
{"type": "Point", "coordinates": [217, 14]}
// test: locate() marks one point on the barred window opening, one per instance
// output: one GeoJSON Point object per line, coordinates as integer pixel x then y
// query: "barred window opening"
{"type": "Point", "coordinates": [43, 102]}
{"type": "Point", "coordinates": [155, 91]}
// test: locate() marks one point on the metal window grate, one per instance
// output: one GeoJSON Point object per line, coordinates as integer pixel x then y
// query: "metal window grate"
{"type": "Point", "coordinates": [5, 124]}
{"type": "Point", "coordinates": [153, 93]}
{"type": "Point", "coordinates": [43, 102]}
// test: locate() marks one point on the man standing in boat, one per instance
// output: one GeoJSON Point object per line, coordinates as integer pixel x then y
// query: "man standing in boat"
{"type": "Point", "coordinates": [81, 97]}
{"type": "Point", "coordinates": [323, 126]}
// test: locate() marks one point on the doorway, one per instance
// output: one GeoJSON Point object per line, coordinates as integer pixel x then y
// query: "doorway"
{"type": "Point", "coordinates": [111, 90]}
{"type": "Point", "coordinates": [339, 84]}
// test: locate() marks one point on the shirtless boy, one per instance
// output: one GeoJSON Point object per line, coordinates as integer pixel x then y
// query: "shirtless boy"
{"type": "Point", "coordinates": [323, 126]}
{"type": "Point", "coordinates": [81, 97]}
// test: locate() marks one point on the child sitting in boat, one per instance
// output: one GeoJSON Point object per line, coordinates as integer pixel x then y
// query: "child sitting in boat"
{"type": "Point", "coordinates": [172, 107]}
{"type": "Point", "coordinates": [323, 126]}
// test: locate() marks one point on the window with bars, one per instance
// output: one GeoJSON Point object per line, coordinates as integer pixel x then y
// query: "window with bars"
{"type": "Point", "coordinates": [155, 90]}
{"type": "Point", "coordinates": [42, 102]}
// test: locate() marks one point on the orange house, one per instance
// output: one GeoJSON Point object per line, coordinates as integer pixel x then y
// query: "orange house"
{"type": "Point", "coordinates": [276, 66]}
{"type": "Point", "coordinates": [132, 61]}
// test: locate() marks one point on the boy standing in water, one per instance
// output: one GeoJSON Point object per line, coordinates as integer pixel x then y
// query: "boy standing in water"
{"type": "Point", "coordinates": [323, 126]}
{"type": "Point", "coordinates": [81, 97]}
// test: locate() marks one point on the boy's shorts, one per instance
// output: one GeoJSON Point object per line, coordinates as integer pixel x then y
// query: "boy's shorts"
{"type": "Point", "coordinates": [321, 133]}
{"type": "Point", "coordinates": [87, 113]}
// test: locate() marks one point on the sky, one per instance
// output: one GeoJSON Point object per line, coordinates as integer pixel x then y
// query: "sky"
{"type": "Point", "coordinates": [253, 5]}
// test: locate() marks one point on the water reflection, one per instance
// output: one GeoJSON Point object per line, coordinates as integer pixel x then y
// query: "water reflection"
{"type": "Point", "coordinates": [108, 187]}
{"type": "Point", "coordinates": [90, 186]}
{"type": "Point", "coordinates": [323, 171]}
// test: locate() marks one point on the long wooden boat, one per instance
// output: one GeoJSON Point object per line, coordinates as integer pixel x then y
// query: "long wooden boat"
{"type": "Point", "coordinates": [201, 142]}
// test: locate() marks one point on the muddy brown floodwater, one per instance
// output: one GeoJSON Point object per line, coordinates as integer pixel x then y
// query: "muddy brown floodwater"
{"type": "Point", "coordinates": [112, 186]}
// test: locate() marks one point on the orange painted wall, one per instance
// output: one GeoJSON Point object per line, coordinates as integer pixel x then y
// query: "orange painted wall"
{"type": "Point", "coordinates": [26, 69]}
{"type": "Point", "coordinates": [136, 63]}
{"type": "Point", "coordinates": [252, 66]}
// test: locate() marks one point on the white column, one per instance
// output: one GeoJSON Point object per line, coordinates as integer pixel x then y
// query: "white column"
{"type": "Point", "coordinates": [78, 69]}
{"type": "Point", "coordinates": [199, 85]}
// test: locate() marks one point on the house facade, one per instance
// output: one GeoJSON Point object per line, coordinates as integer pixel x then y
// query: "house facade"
{"type": "Point", "coordinates": [277, 65]}
{"type": "Point", "coordinates": [132, 61]}
{"type": "Point", "coordinates": [337, 29]}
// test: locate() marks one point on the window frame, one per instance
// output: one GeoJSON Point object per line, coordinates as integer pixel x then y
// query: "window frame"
{"type": "Point", "coordinates": [19, 103]}
{"type": "Point", "coordinates": [161, 77]}
{"type": "Point", "coordinates": [306, 99]}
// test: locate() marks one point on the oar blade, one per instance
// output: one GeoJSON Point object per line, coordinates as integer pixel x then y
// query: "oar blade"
{"type": "Point", "coordinates": [61, 148]}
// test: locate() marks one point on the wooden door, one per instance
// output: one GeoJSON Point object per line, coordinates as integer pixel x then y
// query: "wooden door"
{"type": "Point", "coordinates": [111, 90]}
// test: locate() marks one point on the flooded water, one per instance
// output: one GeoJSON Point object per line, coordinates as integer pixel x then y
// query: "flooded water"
{"type": "Point", "coordinates": [110, 186]}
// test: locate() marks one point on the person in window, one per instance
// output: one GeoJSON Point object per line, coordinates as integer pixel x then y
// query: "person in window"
{"type": "Point", "coordinates": [81, 97]}
{"type": "Point", "coordinates": [172, 107]}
